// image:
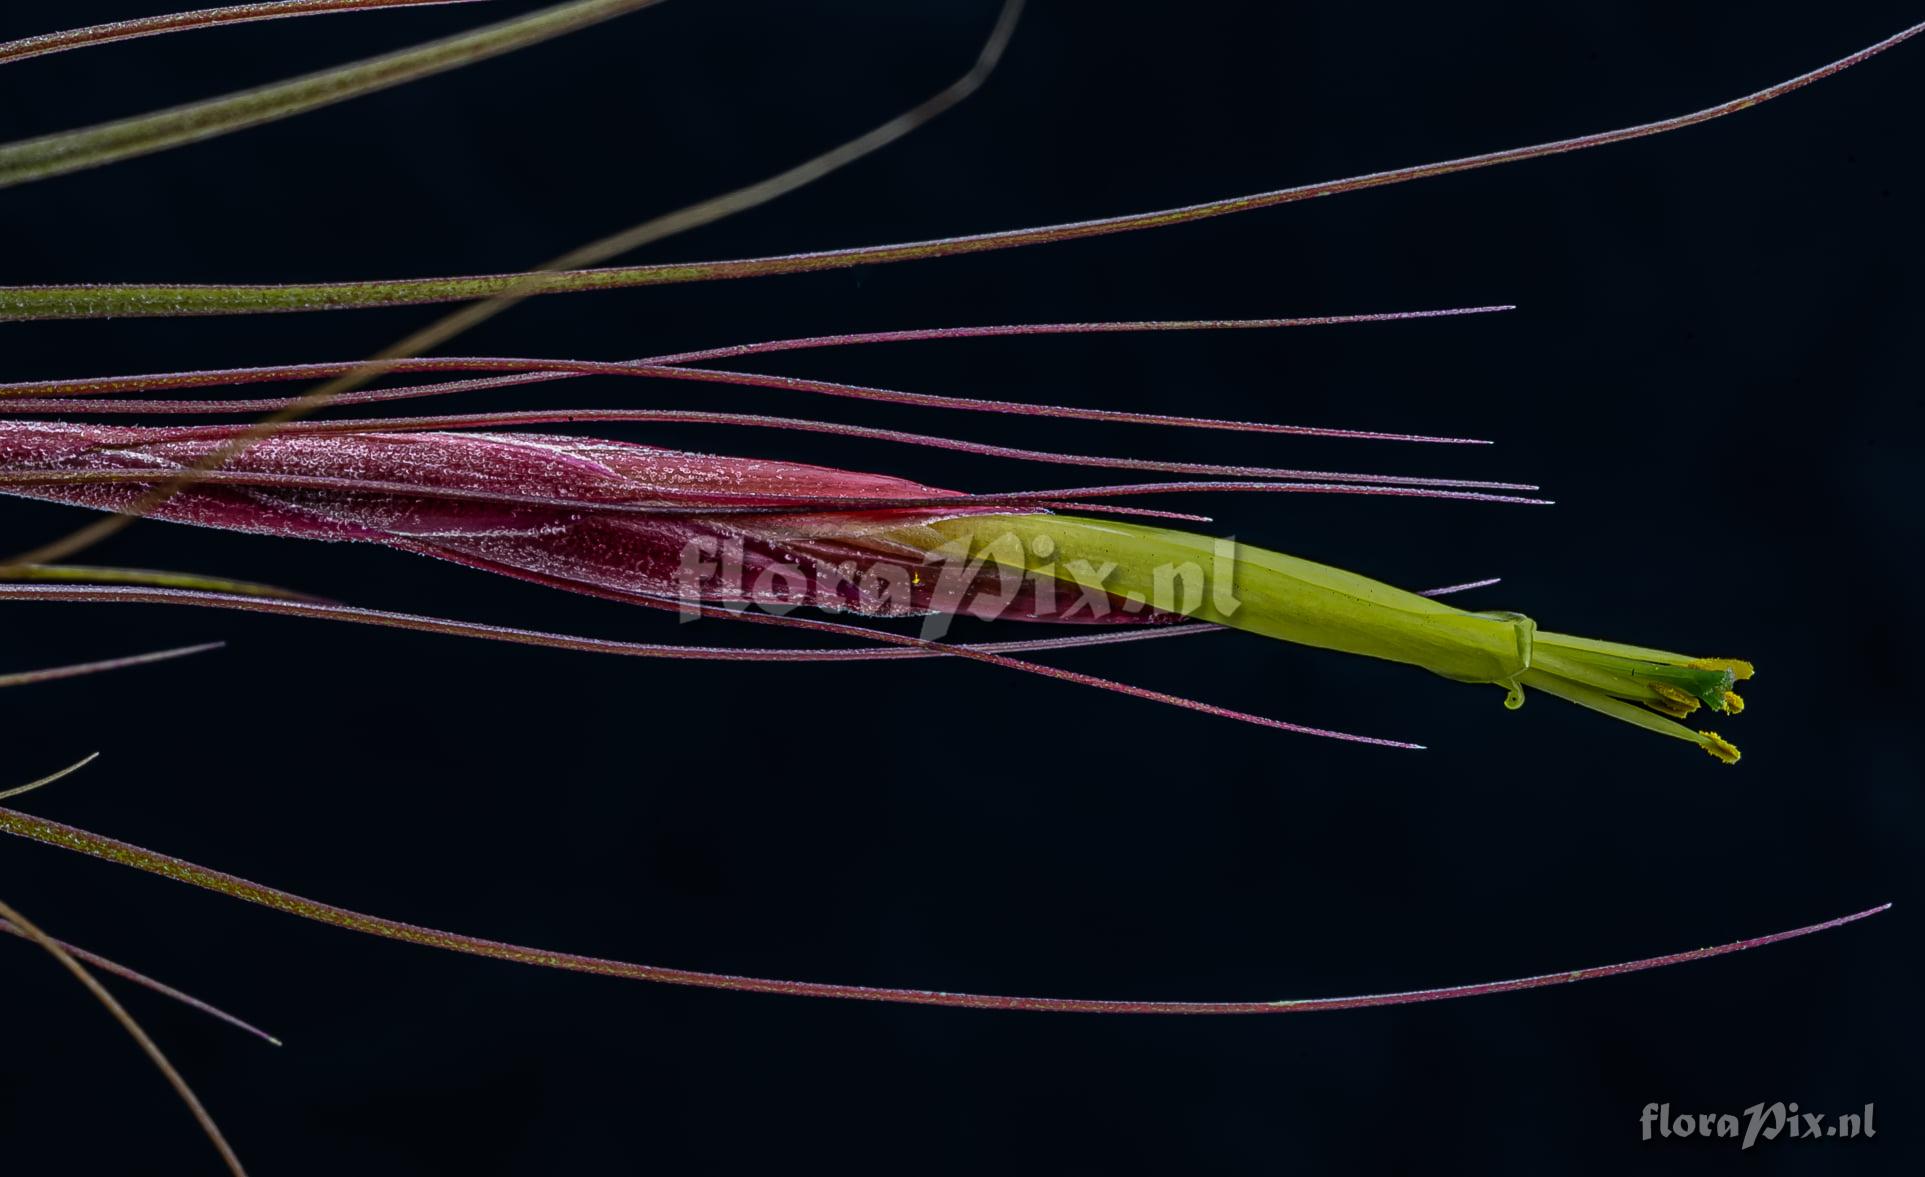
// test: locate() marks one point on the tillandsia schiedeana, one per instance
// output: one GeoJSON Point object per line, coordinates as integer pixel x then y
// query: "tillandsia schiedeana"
{"type": "Point", "coordinates": [657, 526]}
{"type": "Point", "coordinates": [747, 539]}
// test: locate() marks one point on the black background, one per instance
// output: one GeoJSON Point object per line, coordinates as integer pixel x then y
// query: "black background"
{"type": "Point", "coordinates": [1713, 371]}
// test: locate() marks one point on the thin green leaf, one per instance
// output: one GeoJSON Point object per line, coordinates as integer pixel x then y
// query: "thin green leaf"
{"type": "Point", "coordinates": [53, 674]}
{"type": "Point", "coordinates": [449, 326]}
{"type": "Point", "coordinates": [50, 778]}
{"type": "Point", "coordinates": [89, 147]}
{"type": "Point", "coordinates": [65, 837]}
{"type": "Point", "coordinates": [119, 1013]}
{"type": "Point", "coordinates": [150, 300]}
{"type": "Point", "coordinates": [187, 22]}
{"type": "Point", "coordinates": [94, 574]}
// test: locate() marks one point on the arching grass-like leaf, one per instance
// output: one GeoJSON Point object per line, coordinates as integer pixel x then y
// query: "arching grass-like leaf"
{"type": "Point", "coordinates": [65, 837]}
{"type": "Point", "coordinates": [91, 147]}
{"type": "Point", "coordinates": [187, 22]}
{"type": "Point", "coordinates": [171, 299]}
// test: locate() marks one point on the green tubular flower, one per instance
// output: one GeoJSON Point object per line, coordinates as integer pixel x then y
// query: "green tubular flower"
{"type": "Point", "coordinates": [1296, 600]}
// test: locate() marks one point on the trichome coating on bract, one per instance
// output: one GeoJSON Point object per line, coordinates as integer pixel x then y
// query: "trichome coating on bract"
{"type": "Point", "coordinates": [659, 526]}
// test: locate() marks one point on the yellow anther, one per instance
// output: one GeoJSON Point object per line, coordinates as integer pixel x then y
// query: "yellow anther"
{"type": "Point", "coordinates": [1733, 702]}
{"type": "Point", "coordinates": [1718, 746]}
{"type": "Point", "coordinates": [1739, 668]}
{"type": "Point", "coordinates": [1672, 701]}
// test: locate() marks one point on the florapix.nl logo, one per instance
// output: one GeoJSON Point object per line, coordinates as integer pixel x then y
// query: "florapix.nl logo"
{"type": "Point", "coordinates": [981, 577]}
{"type": "Point", "coordinates": [1760, 1121]}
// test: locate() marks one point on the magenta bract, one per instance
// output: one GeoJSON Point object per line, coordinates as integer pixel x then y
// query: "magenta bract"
{"type": "Point", "coordinates": [593, 515]}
